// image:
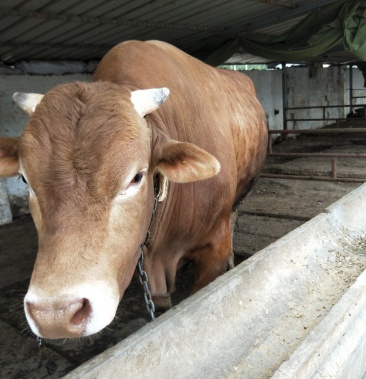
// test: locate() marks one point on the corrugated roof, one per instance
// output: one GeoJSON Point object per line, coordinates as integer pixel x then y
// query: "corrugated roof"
{"type": "Point", "coordinates": [86, 29]}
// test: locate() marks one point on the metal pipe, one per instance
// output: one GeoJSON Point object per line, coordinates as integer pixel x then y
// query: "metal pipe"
{"type": "Point", "coordinates": [284, 95]}
{"type": "Point", "coordinates": [313, 177]}
{"type": "Point", "coordinates": [334, 168]}
{"type": "Point", "coordinates": [269, 149]}
{"type": "Point", "coordinates": [324, 106]}
{"type": "Point", "coordinates": [324, 119]}
{"type": "Point", "coordinates": [350, 87]}
{"type": "Point", "coordinates": [318, 155]}
{"type": "Point", "coordinates": [319, 131]}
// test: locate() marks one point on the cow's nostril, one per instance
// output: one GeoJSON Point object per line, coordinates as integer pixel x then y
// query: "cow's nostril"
{"type": "Point", "coordinates": [82, 313]}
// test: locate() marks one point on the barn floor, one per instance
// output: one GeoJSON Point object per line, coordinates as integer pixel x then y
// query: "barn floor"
{"type": "Point", "coordinates": [275, 207]}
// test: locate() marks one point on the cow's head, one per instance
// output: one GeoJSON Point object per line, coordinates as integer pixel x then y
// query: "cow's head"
{"type": "Point", "coordinates": [89, 157]}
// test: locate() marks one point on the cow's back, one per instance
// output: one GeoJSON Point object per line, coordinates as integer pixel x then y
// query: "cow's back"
{"type": "Point", "coordinates": [212, 108]}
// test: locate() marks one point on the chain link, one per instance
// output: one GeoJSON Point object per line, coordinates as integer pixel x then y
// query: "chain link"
{"type": "Point", "coordinates": [152, 218]}
{"type": "Point", "coordinates": [144, 279]}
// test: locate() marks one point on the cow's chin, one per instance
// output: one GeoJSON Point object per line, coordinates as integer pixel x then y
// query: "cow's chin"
{"type": "Point", "coordinates": [81, 311]}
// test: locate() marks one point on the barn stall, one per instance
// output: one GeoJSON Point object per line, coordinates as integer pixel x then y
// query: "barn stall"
{"type": "Point", "coordinates": [294, 283]}
{"type": "Point", "coordinates": [309, 301]}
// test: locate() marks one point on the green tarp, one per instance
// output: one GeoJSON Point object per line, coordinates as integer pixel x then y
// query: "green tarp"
{"type": "Point", "coordinates": [320, 31]}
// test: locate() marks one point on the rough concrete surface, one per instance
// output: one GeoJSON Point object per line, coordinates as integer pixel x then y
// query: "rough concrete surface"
{"type": "Point", "coordinates": [253, 318]}
{"type": "Point", "coordinates": [274, 208]}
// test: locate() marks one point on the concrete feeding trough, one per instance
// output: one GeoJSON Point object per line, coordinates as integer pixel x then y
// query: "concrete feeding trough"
{"type": "Point", "coordinates": [296, 309]}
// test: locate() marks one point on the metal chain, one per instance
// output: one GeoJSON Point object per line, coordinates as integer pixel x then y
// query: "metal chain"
{"type": "Point", "coordinates": [152, 216]}
{"type": "Point", "coordinates": [144, 279]}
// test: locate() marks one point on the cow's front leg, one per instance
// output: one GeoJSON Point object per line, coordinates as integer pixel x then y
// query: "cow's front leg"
{"type": "Point", "coordinates": [161, 273]}
{"type": "Point", "coordinates": [162, 303]}
{"type": "Point", "coordinates": [233, 221]}
{"type": "Point", "coordinates": [213, 259]}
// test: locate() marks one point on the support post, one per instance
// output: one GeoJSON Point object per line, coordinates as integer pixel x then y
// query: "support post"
{"type": "Point", "coordinates": [350, 88]}
{"type": "Point", "coordinates": [284, 95]}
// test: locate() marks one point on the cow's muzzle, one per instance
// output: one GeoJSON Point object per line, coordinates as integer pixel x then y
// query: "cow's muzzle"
{"type": "Point", "coordinates": [61, 319]}
{"type": "Point", "coordinates": [79, 313]}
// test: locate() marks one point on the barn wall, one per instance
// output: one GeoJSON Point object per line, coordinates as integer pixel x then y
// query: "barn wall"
{"type": "Point", "coordinates": [310, 87]}
{"type": "Point", "coordinates": [357, 85]}
{"type": "Point", "coordinates": [13, 192]}
{"type": "Point", "coordinates": [268, 85]}
{"type": "Point", "coordinates": [305, 88]}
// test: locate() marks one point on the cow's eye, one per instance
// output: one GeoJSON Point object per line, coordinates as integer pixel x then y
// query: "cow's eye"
{"type": "Point", "coordinates": [137, 178]}
{"type": "Point", "coordinates": [23, 179]}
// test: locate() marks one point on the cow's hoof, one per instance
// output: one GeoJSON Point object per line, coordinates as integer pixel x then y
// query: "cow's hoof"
{"type": "Point", "coordinates": [162, 302]}
{"type": "Point", "coordinates": [230, 262]}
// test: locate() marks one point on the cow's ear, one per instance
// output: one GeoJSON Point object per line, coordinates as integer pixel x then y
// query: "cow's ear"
{"type": "Point", "coordinates": [9, 163]}
{"type": "Point", "coordinates": [184, 162]}
{"type": "Point", "coordinates": [27, 101]}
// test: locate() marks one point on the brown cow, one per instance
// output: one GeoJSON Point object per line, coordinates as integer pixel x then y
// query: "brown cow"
{"type": "Point", "coordinates": [90, 154]}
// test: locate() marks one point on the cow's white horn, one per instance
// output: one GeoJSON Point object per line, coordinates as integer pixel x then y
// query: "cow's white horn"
{"type": "Point", "coordinates": [27, 101]}
{"type": "Point", "coordinates": [148, 100]}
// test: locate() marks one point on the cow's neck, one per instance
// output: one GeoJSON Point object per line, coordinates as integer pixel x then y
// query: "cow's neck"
{"type": "Point", "coordinates": [157, 193]}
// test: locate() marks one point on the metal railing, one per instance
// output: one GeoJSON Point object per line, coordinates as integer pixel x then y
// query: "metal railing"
{"type": "Point", "coordinates": [323, 109]}
{"type": "Point", "coordinates": [333, 156]}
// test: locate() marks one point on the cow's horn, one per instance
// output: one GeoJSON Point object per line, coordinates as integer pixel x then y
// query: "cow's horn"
{"type": "Point", "coordinates": [27, 101]}
{"type": "Point", "coordinates": [148, 100]}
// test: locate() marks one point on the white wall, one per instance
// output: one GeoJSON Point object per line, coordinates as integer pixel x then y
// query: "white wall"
{"type": "Point", "coordinates": [268, 85]}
